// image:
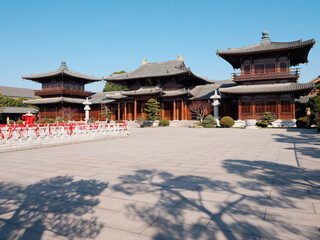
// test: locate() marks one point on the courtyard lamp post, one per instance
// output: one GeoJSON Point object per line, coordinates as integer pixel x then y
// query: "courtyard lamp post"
{"type": "Point", "coordinates": [216, 103]}
{"type": "Point", "coordinates": [87, 109]}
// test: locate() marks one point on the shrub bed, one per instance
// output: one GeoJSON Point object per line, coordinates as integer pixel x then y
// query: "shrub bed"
{"type": "Point", "coordinates": [164, 122]}
{"type": "Point", "coordinates": [302, 122]}
{"type": "Point", "coordinates": [209, 122]}
{"type": "Point", "coordinates": [226, 122]}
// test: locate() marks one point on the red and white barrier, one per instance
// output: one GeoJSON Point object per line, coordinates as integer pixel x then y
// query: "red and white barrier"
{"type": "Point", "coordinates": [15, 135]}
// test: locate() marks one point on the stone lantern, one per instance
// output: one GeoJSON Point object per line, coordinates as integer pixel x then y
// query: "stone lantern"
{"type": "Point", "coordinates": [87, 109]}
{"type": "Point", "coordinates": [216, 97]}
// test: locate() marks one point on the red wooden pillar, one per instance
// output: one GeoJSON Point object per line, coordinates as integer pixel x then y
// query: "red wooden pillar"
{"type": "Point", "coordinates": [278, 108]}
{"type": "Point", "coordinates": [162, 110]}
{"type": "Point", "coordinates": [253, 108]}
{"type": "Point", "coordinates": [118, 111]}
{"type": "Point", "coordinates": [135, 109]}
{"type": "Point", "coordinates": [174, 109]}
{"type": "Point", "coordinates": [239, 109]}
{"type": "Point", "coordinates": [125, 110]}
{"type": "Point", "coordinates": [182, 110]}
{"type": "Point", "coordinates": [293, 108]}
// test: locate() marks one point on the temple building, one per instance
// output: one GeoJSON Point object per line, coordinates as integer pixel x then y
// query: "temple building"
{"type": "Point", "coordinates": [171, 83]}
{"type": "Point", "coordinates": [63, 93]}
{"type": "Point", "coordinates": [267, 81]}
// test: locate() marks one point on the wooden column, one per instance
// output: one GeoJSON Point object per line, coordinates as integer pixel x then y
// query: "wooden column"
{"type": "Point", "coordinates": [182, 110]}
{"type": "Point", "coordinates": [186, 115]}
{"type": "Point", "coordinates": [278, 108]}
{"type": "Point", "coordinates": [174, 109]}
{"type": "Point", "coordinates": [135, 109]}
{"type": "Point", "coordinates": [293, 110]}
{"type": "Point", "coordinates": [253, 108]}
{"type": "Point", "coordinates": [118, 110]}
{"type": "Point", "coordinates": [239, 109]}
{"type": "Point", "coordinates": [178, 111]}
{"type": "Point", "coordinates": [125, 110]}
{"type": "Point", "coordinates": [162, 110]}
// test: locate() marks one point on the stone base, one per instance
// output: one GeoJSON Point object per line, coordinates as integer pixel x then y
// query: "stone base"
{"type": "Point", "coordinates": [239, 123]}
{"type": "Point", "coordinates": [284, 123]}
{"type": "Point", "coordinates": [251, 124]}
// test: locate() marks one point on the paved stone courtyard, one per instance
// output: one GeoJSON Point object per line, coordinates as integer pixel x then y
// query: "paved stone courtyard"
{"type": "Point", "coordinates": [166, 183]}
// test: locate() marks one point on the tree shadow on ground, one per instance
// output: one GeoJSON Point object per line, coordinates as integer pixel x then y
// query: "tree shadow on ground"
{"type": "Point", "coordinates": [309, 137]}
{"type": "Point", "coordinates": [51, 207]}
{"type": "Point", "coordinates": [194, 207]}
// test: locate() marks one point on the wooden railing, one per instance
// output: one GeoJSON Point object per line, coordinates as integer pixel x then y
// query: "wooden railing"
{"type": "Point", "coordinates": [62, 91]}
{"type": "Point", "coordinates": [292, 73]}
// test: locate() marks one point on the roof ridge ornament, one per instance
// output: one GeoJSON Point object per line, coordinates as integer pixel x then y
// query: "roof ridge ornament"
{"type": "Point", "coordinates": [180, 57]}
{"type": "Point", "coordinates": [63, 65]}
{"type": "Point", "coordinates": [265, 37]}
{"type": "Point", "coordinates": [144, 61]}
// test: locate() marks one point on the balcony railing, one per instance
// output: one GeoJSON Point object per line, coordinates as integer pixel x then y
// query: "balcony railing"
{"type": "Point", "coordinates": [62, 91]}
{"type": "Point", "coordinates": [291, 74]}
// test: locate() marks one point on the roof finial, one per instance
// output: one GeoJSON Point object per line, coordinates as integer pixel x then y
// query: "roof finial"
{"type": "Point", "coordinates": [265, 37]}
{"type": "Point", "coordinates": [63, 65]}
{"type": "Point", "coordinates": [144, 61]}
{"type": "Point", "coordinates": [180, 57]}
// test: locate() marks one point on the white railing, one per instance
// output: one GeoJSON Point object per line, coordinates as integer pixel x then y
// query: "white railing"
{"type": "Point", "coordinates": [15, 136]}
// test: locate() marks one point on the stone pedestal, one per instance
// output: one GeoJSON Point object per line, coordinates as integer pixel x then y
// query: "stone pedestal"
{"type": "Point", "coordinates": [251, 123]}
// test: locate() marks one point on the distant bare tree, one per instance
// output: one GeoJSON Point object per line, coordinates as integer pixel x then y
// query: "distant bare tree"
{"type": "Point", "coordinates": [200, 108]}
{"type": "Point", "coordinates": [68, 113]}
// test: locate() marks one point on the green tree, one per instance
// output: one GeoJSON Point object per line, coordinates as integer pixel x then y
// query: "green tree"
{"type": "Point", "coordinates": [314, 102]}
{"type": "Point", "coordinates": [106, 112]}
{"type": "Point", "coordinates": [110, 87]}
{"type": "Point", "coordinates": [153, 109]}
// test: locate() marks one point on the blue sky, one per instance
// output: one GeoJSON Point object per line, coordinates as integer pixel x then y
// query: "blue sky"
{"type": "Point", "coordinates": [100, 37]}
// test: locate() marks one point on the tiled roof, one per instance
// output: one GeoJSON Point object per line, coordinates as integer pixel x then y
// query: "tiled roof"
{"type": "Point", "coordinates": [143, 91]}
{"type": "Point", "coordinates": [206, 91]}
{"type": "Point", "coordinates": [167, 68]}
{"type": "Point", "coordinates": [297, 51]}
{"type": "Point", "coordinates": [100, 98]}
{"type": "Point", "coordinates": [17, 110]}
{"type": "Point", "coordinates": [267, 46]}
{"type": "Point", "coordinates": [158, 69]}
{"type": "Point", "coordinates": [62, 70]}
{"type": "Point", "coordinates": [267, 88]}
{"type": "Point", "coordinates": [17, 92]}
{"type": "Point", "coordinates": [178, 92]}
{"type": "Point", "coordinates": [54, 100]}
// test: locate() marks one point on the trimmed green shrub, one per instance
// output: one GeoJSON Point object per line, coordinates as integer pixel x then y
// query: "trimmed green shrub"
{"type": "Point", "coordinates": [164, 122]}
{"type": "Point", "coordinates": [11, 121]}
{"type": "Point", "coordinates": [302, 122]}
{"type": "Point", "coordinates": [210, 121]}
{"type": "Point", "coordinates": [226, 122]}
{"type": "Point", "coordinates": [59, 119]}
{"type": "Point", "coordinates": [266, 120]}
{"type": "Point", "coordinates": [19, 122]}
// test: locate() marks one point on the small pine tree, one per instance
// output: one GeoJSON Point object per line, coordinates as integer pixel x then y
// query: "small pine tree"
{"type": "Point", "coordinates": [153, 109]}
{"type": "Point", "coordinates": [266, 120]}
{"type": "Point", "coordinates": [106, 112]}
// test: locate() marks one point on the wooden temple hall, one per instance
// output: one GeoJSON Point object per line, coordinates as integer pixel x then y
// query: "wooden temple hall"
{"type": "Point", "coordinates": [267, 82]}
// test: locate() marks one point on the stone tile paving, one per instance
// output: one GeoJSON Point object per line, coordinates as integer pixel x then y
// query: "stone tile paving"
{"type": "Point", "coordinates": [166, 183]}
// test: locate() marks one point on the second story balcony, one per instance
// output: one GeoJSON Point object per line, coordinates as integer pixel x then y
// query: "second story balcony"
{"type": "Point", "coordinates": [61, 92]}
{"type": "Point", "coordinates": [290, 74]}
